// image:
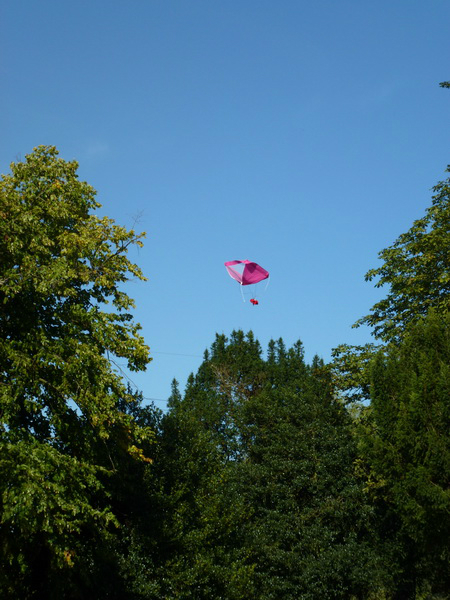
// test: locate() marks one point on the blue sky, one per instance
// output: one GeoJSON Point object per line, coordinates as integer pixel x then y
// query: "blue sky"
{"type": "Point", "coordinates": [303, 135]}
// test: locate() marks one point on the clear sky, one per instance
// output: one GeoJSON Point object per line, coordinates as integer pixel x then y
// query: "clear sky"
{"type": "Point", "coordinates": [305, 136]}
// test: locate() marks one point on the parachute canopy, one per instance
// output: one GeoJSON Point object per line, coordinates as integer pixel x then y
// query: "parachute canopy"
{"type": "Point", "coordinates": [247, 272]}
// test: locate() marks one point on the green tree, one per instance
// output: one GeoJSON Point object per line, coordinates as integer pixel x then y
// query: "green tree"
{"type": "Point", "coordinates": [416, 270]}
{"type": "Point", "coordinates": [407, 447]}
{"type": "Point", "coordinates": [351, 368]}
{"type": "Point", "coordinates": [309, 536]}
{"type": "Point", "coordinates": [64, 323]}
{"type": "Point", "coordinates": [402, 423]}
{"type": "Point", "coordinates": [201, 553]}
{"type": "Point", "coordinates": [265, 490]}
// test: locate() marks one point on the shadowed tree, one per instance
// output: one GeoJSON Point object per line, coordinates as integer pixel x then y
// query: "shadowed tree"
{"type": "Point", "coordinates": [403, 431]}
{"type": "Point", "coordinates": [407, 447]}
{"type": "Point", "coordinates": [264, 482]}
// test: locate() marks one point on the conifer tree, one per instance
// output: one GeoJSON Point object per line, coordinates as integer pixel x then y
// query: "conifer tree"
{"type": "Point", "coordinates": [272, 452]}
{"type": "Point", "coordinates": [407, 447]}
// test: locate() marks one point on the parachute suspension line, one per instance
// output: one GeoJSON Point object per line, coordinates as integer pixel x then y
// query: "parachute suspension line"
{"type": "Point", "coordinates": [242, 292]}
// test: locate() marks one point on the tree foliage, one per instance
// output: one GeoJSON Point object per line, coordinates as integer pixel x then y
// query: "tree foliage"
{"type": "Point", "coordinates": [407, 448]}
{"type": "Point", "coordinates": [267, 478]}
{"type": "Point", "coordinates": [416, 270]}
{"type": "Point", "coordinates": [266, 491]}
{"type": "Point", "coordinates": [64, 323]}
{"type": "Point", "coordinates": [403, 424]}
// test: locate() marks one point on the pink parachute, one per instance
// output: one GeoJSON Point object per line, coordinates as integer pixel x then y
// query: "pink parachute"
{"type": "Point", "coordinates": [247, 273]}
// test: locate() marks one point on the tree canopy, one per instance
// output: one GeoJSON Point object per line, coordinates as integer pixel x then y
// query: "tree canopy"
{"type": "Point", "coordinates": [267, 477]}
{"type": "Point", "coordinates": [64, 321]}
{"type": "Point", "coordinates": [407, 448]}
{"type": "Point", "coordinates": [415, 269]}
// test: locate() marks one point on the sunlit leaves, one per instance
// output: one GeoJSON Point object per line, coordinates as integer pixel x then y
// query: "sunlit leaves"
{"type": "Point", "coordinates": [416, 269]}
{"type": "Point", "coordinates": [65, 322]}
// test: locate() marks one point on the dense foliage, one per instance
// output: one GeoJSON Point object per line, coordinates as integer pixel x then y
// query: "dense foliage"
{"type": "Point", "coordinates": [416, 270]}
{"type": "Point", "coordinates": [267, 478]}
{"type": "Point", "coordinates": [296, 516]}
{"type": "Point", "coordinates": [407, 448]}
{"type": "Point", "coordinates": [60, 267]}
